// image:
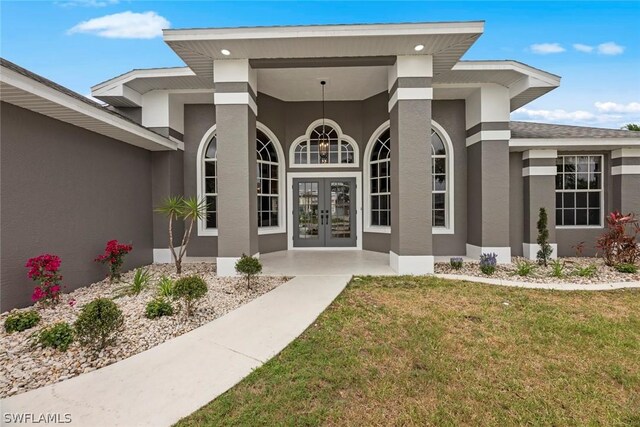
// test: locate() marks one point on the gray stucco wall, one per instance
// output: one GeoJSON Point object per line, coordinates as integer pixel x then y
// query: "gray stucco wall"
{"type": "Point", "coordinates": [103, 194]}
{"type": "Point", "coordinates": [516, 204]}
{"type": "Point", "coordinates": [167, 179]}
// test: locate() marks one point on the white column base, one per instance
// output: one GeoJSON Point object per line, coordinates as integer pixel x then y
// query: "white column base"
{"type": "Point", "coordinates": [226, 266]}
{"type": "Point", "coordinates": [504, 253]}
{"type": "Point", "coordinates": [411, 264]}
{"type": "Point", "coordinates": [164, 256]}
{"type": "Point", "coordinates": [530, 250]}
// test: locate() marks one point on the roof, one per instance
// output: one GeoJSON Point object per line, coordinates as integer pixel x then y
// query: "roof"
{"type": "Point", "coordinates": [552, 131]}
{"type": "Point", "coordinates": [26, 89]}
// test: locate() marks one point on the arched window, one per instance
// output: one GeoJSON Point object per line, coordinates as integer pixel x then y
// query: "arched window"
{"type": "Point", "coordinates": [342, 151]}
{"type": "Point", "coordinates": [270, 181]}
{"type": "Point", "coordinates": [377, 178]}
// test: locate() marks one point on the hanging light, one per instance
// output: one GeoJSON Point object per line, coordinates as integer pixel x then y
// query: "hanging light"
{"type": "Point", "coordinates": [323, 140]}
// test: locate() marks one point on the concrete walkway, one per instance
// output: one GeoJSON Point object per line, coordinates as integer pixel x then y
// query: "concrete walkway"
{"type": "Point", "coordinates": [530, 285]}
{"type": "Point", "coordinates": [163, 384]}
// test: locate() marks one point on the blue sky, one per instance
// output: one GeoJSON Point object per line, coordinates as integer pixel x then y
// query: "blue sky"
{"type": "Point", "coordinates": [594, 46]}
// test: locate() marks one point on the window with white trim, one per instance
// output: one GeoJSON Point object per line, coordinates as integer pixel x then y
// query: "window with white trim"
{"type": "Point", "coordinates": [210, 187]}
{"type": "Point", "coordinates": [340, 151]}
{"type": "Point", "coordinates": [439, 169]}
{"type": "Point", "coordinates": [379, 180]}
{"type": "Point", "coordinates": [579, 195]}
{"type": "Point", "coordinates": [268, 181]}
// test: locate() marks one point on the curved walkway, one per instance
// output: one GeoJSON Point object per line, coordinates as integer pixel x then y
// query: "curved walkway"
{"type": "Point", "coordinates": [163, 384]}
{"type": "Point", "coordinates": [531, 285]}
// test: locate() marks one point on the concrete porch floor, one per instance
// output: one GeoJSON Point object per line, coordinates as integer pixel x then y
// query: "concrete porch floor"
{"type": "Point", "coordinates": [326, 262]}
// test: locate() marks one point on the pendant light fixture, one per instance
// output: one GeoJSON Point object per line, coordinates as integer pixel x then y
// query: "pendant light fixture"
{"type": "Point", "coordinates": [323, 140]}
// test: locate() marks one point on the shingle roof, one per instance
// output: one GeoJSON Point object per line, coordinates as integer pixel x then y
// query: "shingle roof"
{"type": "Point", "coordinates": [551, 131]}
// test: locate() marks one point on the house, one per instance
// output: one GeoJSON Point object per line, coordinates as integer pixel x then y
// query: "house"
{"type": "Point", "coordinates": [364, 137]}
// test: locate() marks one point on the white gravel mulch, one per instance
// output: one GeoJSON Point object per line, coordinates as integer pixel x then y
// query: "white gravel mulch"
{"type": "Point", "coordinates": [24, 366]}
{"type": "Point", "coordinates": [541, 274]}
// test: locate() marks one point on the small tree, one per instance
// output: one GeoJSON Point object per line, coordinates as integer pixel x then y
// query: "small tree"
{"type": "Point", "coordinates": [632, 127]}
{"type": "Point", "coordinates": [544, 254]}
{"type": "Point", "coordinates": [190, 289]}
{"type": "Point", "coordinates": [178, 208]}
{"type": "Point", "coordinates": [248, 266]}
{"type": "Point", "coordinates": [98, 322]}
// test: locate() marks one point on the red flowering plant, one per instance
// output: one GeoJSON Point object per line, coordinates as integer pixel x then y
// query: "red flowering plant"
{"type": "Point", "coordinates": [618, 245]}
{"type": "Point", "coordinates": [113, 255]}
{"type": "Point", "coordinates": [44, 270]}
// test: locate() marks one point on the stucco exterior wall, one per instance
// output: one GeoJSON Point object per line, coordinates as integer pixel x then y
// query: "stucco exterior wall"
{"type": "Point", "coordinates": [516, 204]}
{"type": "Point", "coordinates": [67, 191]}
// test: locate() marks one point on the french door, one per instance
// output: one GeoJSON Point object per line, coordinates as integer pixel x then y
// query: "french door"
{"type": "Point", "coordinates": [324, 212]}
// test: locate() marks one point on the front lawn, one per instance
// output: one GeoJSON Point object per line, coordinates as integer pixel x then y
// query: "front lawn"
{"type": "Point", "coordinates": [416, 351]}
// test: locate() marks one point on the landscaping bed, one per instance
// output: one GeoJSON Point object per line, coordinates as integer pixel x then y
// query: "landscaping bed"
{"type": "Point", "coordinates": [571, 272]}
{"type": "Point", "coordinates": [26, 366]}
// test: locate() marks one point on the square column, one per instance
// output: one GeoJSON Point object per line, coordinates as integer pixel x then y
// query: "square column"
{"type": "Point", "coordinates": [539, 176]}
{"type": "Point", "coordinates": [625, 174]}
{"type": "Point", "coordinates": [236, 110]}
{"type": "Point", "coordinates": [410, 95]}
{"type": "Point", "coordinates": [488, 134]}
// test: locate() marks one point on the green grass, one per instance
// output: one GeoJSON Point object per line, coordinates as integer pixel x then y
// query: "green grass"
{"type": "Point", "coordinates": [425, 351]}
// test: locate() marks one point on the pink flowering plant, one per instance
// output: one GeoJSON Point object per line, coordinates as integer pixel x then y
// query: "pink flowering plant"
{"type": "Point", "coordinates": [44, 270]}
{"type": "Point", "coordinates": [113, 255]}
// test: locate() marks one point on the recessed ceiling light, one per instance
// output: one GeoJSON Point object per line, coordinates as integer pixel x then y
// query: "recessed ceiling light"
{"type": "Point", "coordinates": [418, 47]}
{"type": "Point", "coordinates": [225, 52]}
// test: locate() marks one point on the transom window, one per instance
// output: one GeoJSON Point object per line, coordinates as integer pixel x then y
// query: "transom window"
{"type": "Point", "coordinates": [439, 181]}
{"type": "Point", "coordinates": [339, 151]}
{"type": "Point", "coordinates": [380, 178]}
{"type": "Point", "coordinates": [211, 182]}
{"type": "Point", "coordinates": [579, 196]}
{"type": "Point", "coordinates": [268, 171]}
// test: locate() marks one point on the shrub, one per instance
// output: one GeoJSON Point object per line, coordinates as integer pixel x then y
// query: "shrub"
{"type": "Point", "coordinates": [248, 266]}
{"type": "Point", "coordinates": [456, 263]}
{"type": "Point", "coordinates": [18, 322]}
{"type": "Point", "coordinates": [113, 255]}
{"type": "Point", "coordinates": [546, 250]}
{"type": "Point", "coordinates": [488, 263]}
{"type": "Point", "coordinates": [627, 268]}
{"type": "Point", "coordinates": [557, 268]}
{"type": "Point", "coordinates": [618, 244]}
{"type": "Point", "coordinates": [165, 287]}
{"type": "Point", "coordinates": [58, 336]}
{"type": "Point", "coordinates": [140, 281]}
{"type": "Point", "coordinates": [589, 271]}
{"type": "Point", "coordinates": [158, 307]}
{"type": "Point", "coordinates": [44, 270]}
{"type": "Point", "coordinates": [524, 268]}
{"type": "Point", "coordinates": [190, 289]}
{"type": "Point", "coordinates": [97, 323]}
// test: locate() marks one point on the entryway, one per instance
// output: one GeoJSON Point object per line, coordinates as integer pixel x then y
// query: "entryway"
{"type": "Point", "coordinates": [324, 212]}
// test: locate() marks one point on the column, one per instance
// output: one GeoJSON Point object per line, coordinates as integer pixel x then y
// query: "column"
{"type": "Point", "coordinates": [539, 176]}
{"type": "Point", "coordinates": [625, 176]}
{"type": "Point", "coordinates": [488, 134]}
{"type": "Point", "coordinates": [410, 95]}
{"type": "Point", "coordinates": [235, 86]}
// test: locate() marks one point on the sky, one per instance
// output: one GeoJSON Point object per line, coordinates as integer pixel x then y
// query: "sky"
{"type": "Point", "coordinates": [593, 46]}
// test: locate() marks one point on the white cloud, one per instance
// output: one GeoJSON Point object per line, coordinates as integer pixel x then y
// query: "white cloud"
{"type": "Point", "coordinates": [583, 47]}
{"type": "Point", "coordinates": [125, 25]}
{"type": "Point", "coordinates": [613, 107]}
{"type": "Point", "coordinates": [610, 48]}
{"type": "Point", "coordinates": [546, 48]}
{"type": "Point", "coordinates": [87, 3]}
{"type": "Point", "coordinates": [555, 115]}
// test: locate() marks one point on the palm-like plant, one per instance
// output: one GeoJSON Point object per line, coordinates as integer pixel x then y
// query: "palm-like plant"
{"type": "Point", "coordinates": [187, 209]}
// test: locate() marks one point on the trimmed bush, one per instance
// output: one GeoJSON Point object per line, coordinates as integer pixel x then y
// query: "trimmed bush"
{"type": "Point", "coordinates": [456, 263]}
{"type": "Point", "coordinates": [544, 254]}
{"type": "Point", "coordinates": [158, 307]}
{"type": "Point", "coordinates": [190, 289]}
{"type": "Point", "coordinates": [18, 322]}
{"type": "Point", "coordinates": [248, 266]}
{"type": "Point", "coordinates": [58, 336]}
{"type": "Point", "coordinates": [627, 268]}
{"type": "Point", "coordinates": [97, 323]}
{"type": "Point", "coordinates": [488, 263]}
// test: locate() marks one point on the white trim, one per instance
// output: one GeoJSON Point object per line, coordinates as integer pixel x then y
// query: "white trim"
{"type": "Point", "coordinates": [341, 136]}
{"type": "Point", "coordinates": [411, 264]}
{"type": "Point", "coordinates": [282, 185]}
{"type": "Point", "coordinates": [602, 190]}
{"type": "Point", "coordinates": [539, 154]}
{"type": "Point", "coordinates": [563, 143]}
{"type": "Point", "coordinates": [530, 250]}
{"type": "Point", "coordinates": [504, 253]}
{"type": "Point", "coordinates": [142, 73]}
{"type": "Point", "coordinates": [164, 255]}
{"type": "Point", "coordinates": [202, 228]}
{"type": "Point", "coordinates": [625, 152]}
{"type": "Point", "coordinates": [488, 135]}
{"type": "Point", "coordinates": [366, 191]}
{"type": "Point", "coordinates": [539, 171]}
{"type": "Point", "coordinates": [410, 93]}
{"type": "Point", "coordinates": [625, 170]}
{"type": "Point", "coordinates": [235, 98]}
{"type": "Point", "coordinates": [357, 175]}
{"type": "Point", "coordinates": [450, 195]}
